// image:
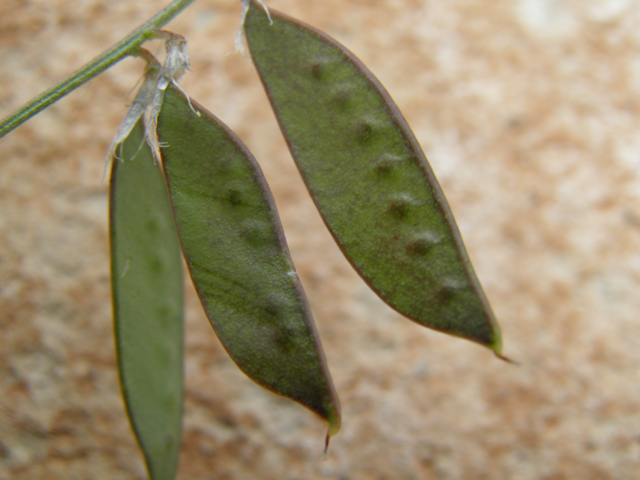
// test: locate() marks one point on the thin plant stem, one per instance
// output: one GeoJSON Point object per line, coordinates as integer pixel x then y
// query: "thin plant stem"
{"type": "Point", "coordinates": [123, 48]}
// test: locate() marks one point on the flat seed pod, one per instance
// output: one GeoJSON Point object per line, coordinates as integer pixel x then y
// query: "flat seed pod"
{"type": "Point", "coordinates": [369, 177]}
{"type": "Point", "coordinates": [148, 303]}
{"type": "Point", "coordinates": [235, 249]}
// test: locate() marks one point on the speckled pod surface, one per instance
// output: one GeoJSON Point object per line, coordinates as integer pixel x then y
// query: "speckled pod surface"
{"type": "Point", "coordinates": [369, 177]}
{"type": "Point", "coordinates": [236, 252]}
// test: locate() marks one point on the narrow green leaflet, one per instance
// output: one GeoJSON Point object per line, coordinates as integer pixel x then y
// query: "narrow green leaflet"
{"type": "Point", "coordinates": [236, 252]}
{"type": "Point", "coordinates": [148, 300]}
{"type": "Point", "coordinates": [369, 177]}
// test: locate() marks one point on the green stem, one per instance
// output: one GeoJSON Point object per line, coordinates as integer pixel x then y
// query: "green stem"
{"type": "Point", "coordinates": [124, 47]}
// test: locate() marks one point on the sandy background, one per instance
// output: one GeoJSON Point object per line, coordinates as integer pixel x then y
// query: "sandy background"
{"type": "Point", "coordinates": [528, 111]}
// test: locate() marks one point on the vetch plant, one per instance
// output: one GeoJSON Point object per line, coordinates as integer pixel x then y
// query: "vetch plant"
{"type": "Point", "coordinates": [184, 186]}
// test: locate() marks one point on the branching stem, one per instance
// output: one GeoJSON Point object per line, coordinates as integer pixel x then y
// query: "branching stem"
{"type": "Point", "coordinates": [126, 46]}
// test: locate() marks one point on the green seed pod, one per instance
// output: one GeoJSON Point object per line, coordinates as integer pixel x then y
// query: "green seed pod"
{"type": "Point", "coordinates": [235, 249]}
{"type": "Point", "coordinates": [148, 303]}
{"type": "Point", "coordinates": [369, 177]}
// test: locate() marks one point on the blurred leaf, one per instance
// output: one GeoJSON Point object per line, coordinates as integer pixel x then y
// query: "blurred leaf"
{"type": "Point", "coordinates": [148, 299]}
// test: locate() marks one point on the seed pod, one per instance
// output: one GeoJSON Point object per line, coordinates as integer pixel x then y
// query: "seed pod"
{"type": "Point", "coordinates": [369, 177]}
{"type": "Point", "coordinates": [236, 252]}
{"type": "Point", "coordinates": [148, 303]}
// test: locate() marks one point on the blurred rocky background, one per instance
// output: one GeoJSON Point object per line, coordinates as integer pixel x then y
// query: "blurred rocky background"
{"type": "Point", "coordinates": [528, 112]}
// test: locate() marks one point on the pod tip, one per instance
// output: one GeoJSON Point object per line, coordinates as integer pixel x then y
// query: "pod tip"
{"type": "Point", "coordinates": [496, 347]}
{"type": "Point", "coordinates": [507, 359]}
{"type": "Point", "coordinates": [326, 447]}
{"type": "Point", "coordinates": [334, 427]}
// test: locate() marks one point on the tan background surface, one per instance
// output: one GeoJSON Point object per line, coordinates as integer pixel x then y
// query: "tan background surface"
{"type": "Point", "coordinates": [528, 111]}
